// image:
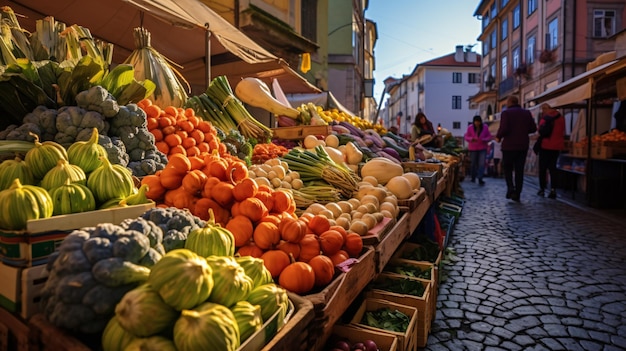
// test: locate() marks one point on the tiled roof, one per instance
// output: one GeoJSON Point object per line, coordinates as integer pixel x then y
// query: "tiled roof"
{"type": "Point", "coordinates": [448, 60]}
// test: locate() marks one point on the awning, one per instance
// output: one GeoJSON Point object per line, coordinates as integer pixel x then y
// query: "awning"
{"type": "Point", "coordinates": [574, 90]}
{"type": "Point", "coordinates": [178, 32]}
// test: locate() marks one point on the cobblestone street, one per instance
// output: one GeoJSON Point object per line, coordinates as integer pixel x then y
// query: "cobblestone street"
{"type": "Point", "coordinates": [536, 275]}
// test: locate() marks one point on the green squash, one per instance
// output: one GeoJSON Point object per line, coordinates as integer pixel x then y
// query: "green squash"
{"type": "Point", "coordinates": [17, 168]}
{"type": "Point", "coordinates": [144, 313]}
{"type": "Point", "coordinates": [62, 172]}
{"type": "Point", "coordinates": [209, 326]}
{"type": "Point", "coordinates": [231, 284]}
{"type": "Point", "coordinates": [71, 198]}
{"type": "Point", "coordinates": [44, 156]}
{"type": "Point", "coordinates": [211, 240]}
{"type": "Point", "coordinates": [110, 181]}
{"type": "Point", "coordinates": [86, 154]}
{"type": "Point", "coordinates": [21, 203]}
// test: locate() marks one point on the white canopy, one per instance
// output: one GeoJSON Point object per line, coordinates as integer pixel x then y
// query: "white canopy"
{"type": "Point", "coordinates": [178, 29]}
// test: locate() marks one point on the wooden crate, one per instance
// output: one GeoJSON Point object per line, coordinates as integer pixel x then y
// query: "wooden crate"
{"type": "Point", "coordinates": [353, 334]}
{"type": "Point", "coordinates": [14, 333]}
{"type": "Point", "coordinates": [416, 216]}
{"type": "Point", "coordinates": [418, 167]}
{"type": "Point", "coordinates": [412, 202]}
{"type": "Point", "coordinates": [407, 341]}
{"type": "Point", "coordinates": [20, 290]}
{"type": "Point", "coordinates": [605, 149]}
{"type": "Point", "coordinates": [422, 305]}
{"type": "Point", "coordinates": [380, 231]}
{"type": "Point", "coordinates": [423, 266]}
{"type": "Point", "coordinates": [41, 238]}
{"type": "Point", "coordinates": [385, 249]}
{"type": "Point", "coordinates": [300, 132]}
{"type": "Point", "coordinates": [294, 334]}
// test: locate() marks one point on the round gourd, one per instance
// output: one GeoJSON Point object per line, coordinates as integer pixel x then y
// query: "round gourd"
{"type": "Point", "coordinates": [182, 278]}
{"type": "Point", "coordinates": [275, 261]}
{"type": "Point", "coordinates": [110, 181]}
{"type": "Point", "coordinates": [212, 239]}
{"type": "Point", "coordinates": [86, 154]}
{"type": "Point", "coordinates": [250, 249]}
{"type": "Point", "coordinates": [323, 268]}
{"type": "Point", "coordinates": [230, 282]}
{"type": "Point", "coordinates": [255, 269]}
{"type": "Point", "coordinates": [319, 224]}
{"type": "Point", "coordinates": [209, 326]}
{"type": "Point", "coordinates": [114, 337]}
{"type": "Point", "coordinates": [292, 230]}
{"type": "Point", "coordinates": [71, 198]}
{"type": "Point", "coordinates": [353, 244]}
{"type": "Point", "coordinates": [143, 312]}
{"type": "Point", "coordinates": [16, 168]}
{"type": "Point", "coordinates": [248, 317]}
{"type": "Point", "coordinates": [400, 187]}
{"type": "Point", "coordinates": [20, 203]}
{"type": "Point", "coordinates": [44, 156]}
{"type": "Point", "coordinates": [298, 277]}
{"type": "Point", "coordinates": [266, 235]}
{"type": "Point", "coordinates": [272, 298]}
{"type": "Point", "coordinates": [309, 247]}
{"type": "Point", "coordinates": [331, 241]}
{"type": "Point", "coordinates": [414, 179]}
{"type": "Point", "coordinates": [62, 172]}
{"type": "Point", "coordinates": [241, 228]}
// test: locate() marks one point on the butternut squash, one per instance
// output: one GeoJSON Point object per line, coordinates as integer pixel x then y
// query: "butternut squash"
{"type": "Point", "coordinates": [255, 92]}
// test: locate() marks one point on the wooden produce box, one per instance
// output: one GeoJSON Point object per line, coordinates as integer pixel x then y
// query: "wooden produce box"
{"type": "Point", "coordinates": [407, 341]}
{"type": "Point", "coordinates": [412, 202]}
{"type": "Point", "coordinates": [379, 232]}
{"type": "Point", "coordinates": [300, 132]}
{"type": "Point", "coordinates": [429, 276]}
{"type": "Point", "coordinates": [41, 238]}
{"type": "Point", "coordinates": [416, 216]}
{"type": "Point", "coordinates": [418, 167]}
{"type": "Point", "coordinates": [441, 187]}
{"type": "Point", "coordinates": [607, 149]}
{"type": "Point", "coordinates": [293, 335]}
{"type": "Point", "coordinates": [330, 303]}
{"type": "Point", "coordinates": [20, 290]}
{"type": "Point", "coordinates": [353, 334]}
{"type": "Point", "coordinates": [385, 249]}
{"type": "Point", "coordinates": [406, 252]}
{"type": "Point", "coordinates": [422, 304]}
{"type": "Point", "coordinates": [14, 333]}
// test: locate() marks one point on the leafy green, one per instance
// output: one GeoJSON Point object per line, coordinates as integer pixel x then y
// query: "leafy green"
{"type": "Point", "coordinates": [405, 286]}
{"type": "Point", "coordinates": [410, 271]}
{"type": "Point", "coordinates": [386, 318]}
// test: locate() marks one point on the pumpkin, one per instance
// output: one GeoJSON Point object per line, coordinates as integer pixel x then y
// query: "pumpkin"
{"type": "Point", "coordinates": [44, 156]}
{"type": "Point", "coordinates": [271, 219]}
{"type": "Point", "coordinates": [282, 200]}
{"type": "Point", "coordinates": [63, 171]}
{"type": "Point", "coordinates": [331, 242]}
{"type": "Point", "coordinates": [196, 162]}
{"type": "Point", "coordinates": [341, 231]}
{"type": "Point", "coordinates": [319, 224]}
{"type": "Point", "coordinates": [171, 178]}
{"type": "Point", "coordinates": [297, 277]}
{"type": "Point", "coordinates": [234, 209]}
{"type": "Point", "coordinates": [242, 228]}
{"type": "Point", "coordinates": [292, 230]}
{"type": "Point", "coordinates": [183, 199]}
{"type": "Point", "coordinates": [266, 198]}
{"type": "Point", "coordinates": [339, 257]}
{"type": "Point", "coordinates": [202, 206]}
{"type": "Point", "coordinates": [86, 154]}
{"type": "Point", "coordinates": [237, 171]}
{"type": "Point", "coordinates": [219, 168]}
{"type": "Point", "coordinates": [244, 189]}
{"type": "Point", "coordinates": [309, 247]}
{"type": "Point", "coordinates": [250, 249]}
{"type": "Point", "coordinates": [17, 168]}
{"type": "Point", "coordinates": [291, 249]}
{"type": "Point", "coordinates": [253, 208]}
{"type": "Point", "coordinates": [275, 261]}
{"type": "Point", "coordinates": [222, 193]}
{"type": "Point", "coordinates": [179, 162]}
{"type": "Point", "coordinates": [194, 181]}
{"type": "Point", "coordinates": [211, 240]}
{"type": "Point", "coordinates": [71, 198]}
{"type": "Point", "coordinates": [306, 217]}
{"type": "Point", "coordinates": [353, 244]}
{"type": "Point", "coordinates": [266, 235]}
{"type": "Point", "coordinates": [207, 191]}
{"type": "Point", "coordinates": [155, 189]}
{"type": "Point", "coordinates": [20, 203]}
{"type": "Point", "coordinates": [324, 269]}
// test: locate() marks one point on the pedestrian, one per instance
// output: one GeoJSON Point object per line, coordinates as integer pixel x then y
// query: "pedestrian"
{"type": "Point", "coordinates": [496, 147]}
{"type": "Point", "coordinates": [551, 141]}
{"type": "Point", "coordinates": [478, 137]}
{"type": "Point", "coordinates": [422, 129]}
{"type": "Point", "coordinates": [516, 123]}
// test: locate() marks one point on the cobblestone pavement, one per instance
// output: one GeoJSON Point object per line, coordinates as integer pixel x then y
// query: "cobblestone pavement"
{"type": "Point", "coordinates": [535, 275]}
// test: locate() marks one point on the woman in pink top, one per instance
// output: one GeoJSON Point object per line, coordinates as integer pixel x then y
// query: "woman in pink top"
{"type": "Point", "coordinates": [478, 137]}
{"type": "Point", "coordinates": [552, 133]}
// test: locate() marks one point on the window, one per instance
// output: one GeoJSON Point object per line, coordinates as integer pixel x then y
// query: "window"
{"type": "Point", "coordinates": [530, 50]}
{"type": "Point", "coordinates": [492, 70]}
{"type": "Point", "coordinates": [503, 4]}
{"type": "Point", "coordinates": [472, 78]}
{"type": "Point", "coordinates": [552, 38]}
{"type": "Point", "coordinates": [532, 6]}
{"type": "Point", "coordinates": [516, 57]}
{"type": "Point", "coordinates": [412, 86]}
{"type": "Point", "coordinates": [456, 125]}
{"type": "Point", "coordinates": [494, 10]}
{"type": "Point", "coordinates": [603, 23]}
{"type": "Point", "coordinates": [505, 28]}
{"type": "Point", "coordinates": [485, 47]}
{"type": "Point", "coordinates": [456, 102]}
{"type": "Point", "coordinates": [457, 77]}
{"type": "Point", "coordinates": [505, 68]}
{"type": "Point", "coordinates": [516, 17]}
{"type": "Point", "coordinates": [309, 20]}
{"type": "Point", "coordinates": [485, 20]}
{"type": "Point", "coordinates": [494, 38]}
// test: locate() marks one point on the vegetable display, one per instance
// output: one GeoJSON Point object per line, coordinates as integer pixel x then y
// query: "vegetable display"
{"type": "Point", "coordinates": [386, 318]}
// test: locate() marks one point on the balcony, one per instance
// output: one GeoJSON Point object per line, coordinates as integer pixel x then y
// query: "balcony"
{"type": "Point", "coordinates": [506, 86]}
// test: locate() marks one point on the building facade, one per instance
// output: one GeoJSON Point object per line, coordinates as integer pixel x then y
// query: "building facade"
{"type": "Point", "coordinates": [530, 46]}
{"type": "Point", "coordinates": [440, 88]}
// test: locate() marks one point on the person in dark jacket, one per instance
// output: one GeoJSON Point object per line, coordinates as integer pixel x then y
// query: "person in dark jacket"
{"type": "Point", "coordinates": [552, 131]}
{"type": "Point", "coordinates": [516, 123]}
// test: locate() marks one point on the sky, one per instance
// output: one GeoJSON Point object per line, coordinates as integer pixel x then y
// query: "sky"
{"type": "Point", "coordinates": [415, 31]}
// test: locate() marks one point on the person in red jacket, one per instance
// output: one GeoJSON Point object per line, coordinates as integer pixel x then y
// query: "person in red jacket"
{"type": "Point", "coordinates": [552, 133]}
{"type": "Point", "coordinates": [516, 123]}
{"type": "Point", "coordinates": [478, 137]}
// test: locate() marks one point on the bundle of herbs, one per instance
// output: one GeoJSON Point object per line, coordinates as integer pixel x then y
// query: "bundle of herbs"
{"type": "Point", "coordinates": [386, 318]}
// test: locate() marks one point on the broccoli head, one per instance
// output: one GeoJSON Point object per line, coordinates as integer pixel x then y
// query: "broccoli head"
{"type": "Point", "coordinates": [22, 132]}
{"type": "Point", "coordinates": [45, 118]}
{"type": "Point", "coordinates": [98, 99]}
{"type": "Point", "coordinates": [136, 154]}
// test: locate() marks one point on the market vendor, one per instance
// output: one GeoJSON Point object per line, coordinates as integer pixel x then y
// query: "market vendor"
{"type": "Point", "coordinates": [423, 132]}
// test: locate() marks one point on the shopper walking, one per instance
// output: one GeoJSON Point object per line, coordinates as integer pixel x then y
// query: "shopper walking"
{"type": "Point", "coordinates": [478, 137]}
{"type": "Point", "coordinates": [516, 123]}
{"type": "Point", "coordinates": [551, 139]}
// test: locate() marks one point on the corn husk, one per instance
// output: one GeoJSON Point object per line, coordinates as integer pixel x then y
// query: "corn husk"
{"type": "Point", "coordinates": [149, 64]}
